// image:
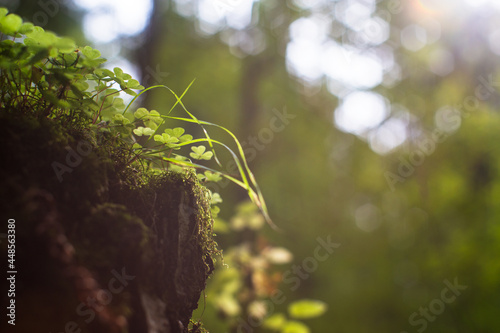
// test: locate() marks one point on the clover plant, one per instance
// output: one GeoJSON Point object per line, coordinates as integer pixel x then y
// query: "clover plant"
{"type": "Point", "coordinates": [48, 76]}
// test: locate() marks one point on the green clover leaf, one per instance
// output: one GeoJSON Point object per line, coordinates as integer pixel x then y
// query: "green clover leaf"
{"type": "Point", "coordinates": [101, 72]}
{"type": "Point", "coordinates": [120, 119]}
{"type": "Point", "coordinates": [38, 37]}
{"type": "Point", "coordinates": [140, 131]}
{"type": "Point", "coordinates": [186, 138]}
{"type": "Point", "coordinates": [133, 84]}
{"type": "Point", "coordinates": [118, 72]}
{"type": "Point", "coordinates": [151, 119]}
{"type": "Point", "coordinates": [65, 45]}
{"type": "Point", "coordinates": [199, 153]}
{"type": "Point", "coordinates": [212, 177]}
{"type": "Point", "coordinates": [215, 199]}
{"type": "Point", "coordinates": [10, 24]}
{"type": "Point", "coordinates": [158, 138]}
{"type": "Point", "coordinates": [26, 28]}
{"type": "Point", "coordinates": [94, 54]}
{"type": "Point", "coordinates": [178, 133]}
{"type": "Point", "coordinates": [141, 113]}
{"type": "Point", "coordinates": [166, 139]}
{"type": "Point", "coordinates": [155, 116]}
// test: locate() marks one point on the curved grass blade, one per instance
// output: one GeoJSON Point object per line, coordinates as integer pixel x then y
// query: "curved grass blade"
{"type": "Point", "coordinates": [259, 199]}
{"type": "Point", "coordinates": [178, 101]}
{"type": "Point", "coordinates": [255, 195]}
{"type": "Point", "coordinates": [251, 193]}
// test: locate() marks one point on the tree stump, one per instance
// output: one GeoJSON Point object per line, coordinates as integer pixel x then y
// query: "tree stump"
{"type": "Point", "coordinates": [98, 247]}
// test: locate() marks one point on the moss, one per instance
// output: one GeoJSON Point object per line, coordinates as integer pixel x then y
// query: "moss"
{"type": "Point", "coordinates": [109, 236]}
{"type": "Point", "coordinates": [176, 209]}
{"type": "Point", "coordinates": [89, 214]}
{"type": "Point", "coordinates": [104, 214]}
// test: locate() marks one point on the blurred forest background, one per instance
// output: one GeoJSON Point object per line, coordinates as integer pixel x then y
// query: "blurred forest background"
{"type": "Point", "coordinates": [370, 124]}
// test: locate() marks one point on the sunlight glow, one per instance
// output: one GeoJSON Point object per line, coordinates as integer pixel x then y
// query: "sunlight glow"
{"type": "Point", "coordinates": [374, 31]}
{"type": "Point", "coordinates": [477, 3]}
{"type": "Point", "coordinates": [315, 53]}
{"type": "Point", "coordinates": [215, 14]}
{"type": "Point", "coordinates": [305, 48]}
{"type": "Point", "coordinates": [494, 41]}
{"type": "Point", "coordinates": [108, 19]}
{"type": "Point", "coordinates": [360, 111]}
{"type": "Point", "coordinates": [414, 37]}
{"type": "Point", "coordinates": [350, 67]}
{"type": "Point", "coordinates": [433, 7]}
{"type": "Point", "coordinates": [389, 136]}
{"type": "Point", "coordinates": [307, 4]}
{"type": "Point", "coordinates": [310, 29]}
{"type": "Point", "coordinates": [441, 62]}
{"type": "Point", "coordinates": [354, 13]}
{"type": "Point", "coordinates": [303, 59]}
{"type": "Point", "coordinates": [426, 7]}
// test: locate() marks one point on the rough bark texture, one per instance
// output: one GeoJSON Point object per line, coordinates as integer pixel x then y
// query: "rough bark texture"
{"type": "Point", "coordinates": [101, 250]}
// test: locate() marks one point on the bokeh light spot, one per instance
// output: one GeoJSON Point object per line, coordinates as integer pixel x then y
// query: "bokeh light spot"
{"type": "Point", "coordinates": [360, 111]}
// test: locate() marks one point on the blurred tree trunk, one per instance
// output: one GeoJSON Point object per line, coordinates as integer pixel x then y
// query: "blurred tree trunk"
{"type": "Point", "coordinates": [144, 56]}
{"type": "Point", "coordinates": [253, 73]}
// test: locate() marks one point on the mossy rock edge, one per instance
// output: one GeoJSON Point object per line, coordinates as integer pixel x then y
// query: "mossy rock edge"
{"type": "Point", "coordinates": [100, 247]}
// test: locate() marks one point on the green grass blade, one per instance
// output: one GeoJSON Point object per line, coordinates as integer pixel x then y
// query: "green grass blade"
{"type": "Point", "coordinates": [178, 101]}
{"type": "Point", "coordinates": [255, 195]}
{"type": "Point", "coordinates": [259, 198]}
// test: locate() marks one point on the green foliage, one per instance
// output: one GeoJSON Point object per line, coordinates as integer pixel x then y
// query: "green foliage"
{"type": "Point", "coordinates": [151, 118]}
{"type": "Point", "coordinates": [60, 81]}
{"type": "Point", "coordinates": [10, 24]}
{"type": "Point", "coordinates": [275, 322]}
{"type": "Point", "coordinates": [303, 309]}
{"type": "Point", "coordinates": [237, 299]}
{"type": "Point", "coordinates": [140, 131]}
{"type": "Point", "coordinates": [199, 153]}
{"type": "Point", "coordinates": [295, 327]}
{"type": "Point", "coordinates": [439, 223]}
{"type": "Point", "coordinates": [210, 176]}
{"type": "Point", "coordinates": [49, 77]}
{"type": "Point", "coordinates": [306, 309]}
